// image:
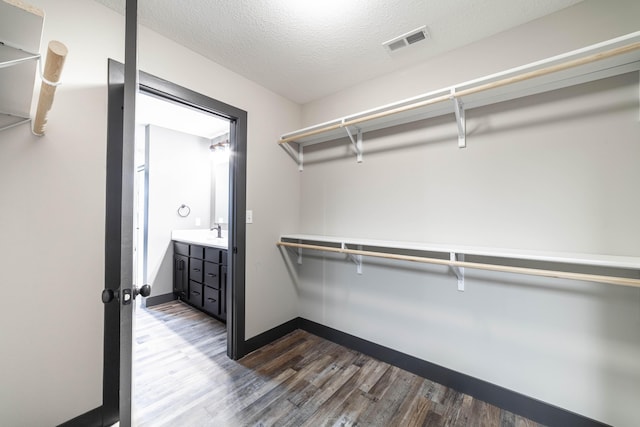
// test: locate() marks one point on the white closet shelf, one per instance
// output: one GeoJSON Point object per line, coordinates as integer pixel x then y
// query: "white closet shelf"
{"type": "Point", "coordinates": [610, 58]}
{"type": "Point", "coordinates": [8, 121]}
{"type": "Point", "coordinates": [10, 56]}
{"type": "Point", "coordinates": [455, 255]}
{"type": "Point", "coordinates": [17, 75]}
{"type": "Point", "coordinates": [20, 35]}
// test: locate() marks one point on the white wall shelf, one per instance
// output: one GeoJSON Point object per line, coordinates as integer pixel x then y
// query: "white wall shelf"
{"type": "Point", "coordinates": [10, 56]}
{"type": "Point", "coordinates": [453, 256]}
{"type": "Point", "coordinates": [607, 59]}
{"type": "Point", "coordinates": [15, 64]}
{"type": "Point", "coordinates": [20, 36]}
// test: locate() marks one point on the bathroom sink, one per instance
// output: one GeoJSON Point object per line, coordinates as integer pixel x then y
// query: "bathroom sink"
{"type": "Point", "coordinates": [201, 237]}
{"type": "Point", "coordinates": [217, 240]}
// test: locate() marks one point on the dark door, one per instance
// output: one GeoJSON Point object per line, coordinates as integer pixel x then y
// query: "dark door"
{"type": "Point", "coordinates": [119, 292]}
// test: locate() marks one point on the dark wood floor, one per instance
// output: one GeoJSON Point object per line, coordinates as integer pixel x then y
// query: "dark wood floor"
{"type": "Point", "coordinates": [184, 378]}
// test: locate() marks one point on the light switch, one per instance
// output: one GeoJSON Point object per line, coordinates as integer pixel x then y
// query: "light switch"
{"type": "Point", "coordinates": [249, 217]}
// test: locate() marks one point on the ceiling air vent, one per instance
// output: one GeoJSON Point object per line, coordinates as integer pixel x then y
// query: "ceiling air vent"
{"type": "Point", "coordinates": [406, 39]}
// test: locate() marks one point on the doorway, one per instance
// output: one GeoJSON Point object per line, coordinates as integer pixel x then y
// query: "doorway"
{"type": "Point", "coordinates": [181, 189]}
{"type": "Point", "coordinates": [116, 177]}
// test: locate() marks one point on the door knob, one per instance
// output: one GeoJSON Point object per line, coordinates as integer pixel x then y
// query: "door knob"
{"type": "Point", "coordinates": [107, 295]}
{"type": "Point", "coordinates": [144, 290]}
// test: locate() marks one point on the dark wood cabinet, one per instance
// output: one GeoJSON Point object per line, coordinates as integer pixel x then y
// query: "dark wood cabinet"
{"type": "Point", "coordinates": [200, 277]}
{"type": "Point", "coordinates": [180, 275]}
{"type": "Point", "coordinates": [212, 257]}
{"type": "Point", "coordinates": [223, 290]}
{"type": "Point", "coordinates": [181, 269]}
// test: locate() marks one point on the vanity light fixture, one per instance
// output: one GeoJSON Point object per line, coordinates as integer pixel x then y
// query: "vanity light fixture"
{"type": "Point", "coordinates": [220, 151]}
{"type": "Point", "coordinates": [220, 146]}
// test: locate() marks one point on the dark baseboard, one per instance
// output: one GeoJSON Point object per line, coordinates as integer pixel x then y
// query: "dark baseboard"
{"type": "Point", "coordinates": [93, 418]}
{"type": "Point", "coordinates": [517, 403]}
{"type": "Point", "coordinates": [159, 299]}
{"type": "Point", "coordinates": [271, 335]}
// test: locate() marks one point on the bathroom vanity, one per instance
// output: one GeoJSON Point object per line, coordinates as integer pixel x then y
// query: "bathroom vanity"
{"type": "Point", "coordinates": [200, 271]}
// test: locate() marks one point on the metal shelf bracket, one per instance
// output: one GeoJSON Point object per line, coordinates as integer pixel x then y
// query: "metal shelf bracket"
{"type": "Point", "coordinates": [28, 57]}
{"type": "Point", "coordinates": [458, 271]}
{"type": "Point", "coordinates": [356, 143]}
{"type": "Point", "coordinates": [300, 157]}
{"type": "Point", "coordinates": [458, 107]}
{"type": "Point", "coordinates": [297, 156]}
{"type": "Point", "coordinates": [16, 122]}
{"type": "Point", "coordinates": [357, 259]}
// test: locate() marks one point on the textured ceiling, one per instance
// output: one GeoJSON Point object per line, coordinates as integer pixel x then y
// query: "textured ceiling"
{"type": "Point", "coordinates": [308, 49]}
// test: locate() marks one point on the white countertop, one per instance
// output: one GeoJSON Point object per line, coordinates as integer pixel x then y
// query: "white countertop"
{"type": "Point", "coordinates": [201, 237]}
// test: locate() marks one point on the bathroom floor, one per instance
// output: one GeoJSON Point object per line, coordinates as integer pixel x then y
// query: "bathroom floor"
{"type": "Point", "coordinates": [184, 378]}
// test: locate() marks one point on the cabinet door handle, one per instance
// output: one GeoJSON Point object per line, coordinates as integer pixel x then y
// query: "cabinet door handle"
{"type": "Point", "coordinates": [211, 275]}
{"type": "Point", "coordinates": [196, 269]}
{"type": "Point", "coordinates": [211, 300]}
{"type": "Point", "coordinates": [195, 292]}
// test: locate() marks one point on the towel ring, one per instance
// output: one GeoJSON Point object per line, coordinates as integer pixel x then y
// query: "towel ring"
{"type": "Point", "coordinates": [184, 211]}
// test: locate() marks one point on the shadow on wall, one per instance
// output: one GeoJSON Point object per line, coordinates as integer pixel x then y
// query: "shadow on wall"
{"type": "Point", "coordinates": [481, 121]}
{"type": "Point", "coordinates": [546, 106]}
{"type": "Point", "coordinates": [617, 320]}
{"type": "Point", "coordinates": [161, 279]}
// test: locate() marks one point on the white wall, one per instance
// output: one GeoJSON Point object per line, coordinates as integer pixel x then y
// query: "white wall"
{"type": "Point", "coordinates": [52, 248]}
{"type": "Point", "coordinates": [179, 173]}
{"type": "Point", "coordinates": [550, 172]}
{"type": "Point", "coordinates": [52, 221]}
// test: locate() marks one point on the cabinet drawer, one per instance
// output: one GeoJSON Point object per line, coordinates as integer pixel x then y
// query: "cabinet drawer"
{"type": "Point", "coordinates": [195, 293]}
{"type": "Point", "coordinates": [196, 251]}
{"type": "Point", "coordinates": [180, 248]}
{"type": "Point", "coordinates": [195, 269]}
{"type": "Point", "coordinates": [211, 300]}
{"type": "Point", "coordinates": [212, 275]}
{"type": "Point", "coordinates": [212, 255]}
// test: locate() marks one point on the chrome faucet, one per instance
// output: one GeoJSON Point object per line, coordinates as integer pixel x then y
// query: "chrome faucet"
{"type": "Point", "coordinates": [218, 227]}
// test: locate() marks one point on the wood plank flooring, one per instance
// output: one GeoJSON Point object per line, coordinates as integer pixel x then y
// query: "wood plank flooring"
{"type": "Point", "coordinates": [184, 378]}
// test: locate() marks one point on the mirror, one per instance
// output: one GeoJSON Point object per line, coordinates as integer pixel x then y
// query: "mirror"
{"type": "Point", "coordinates": [220, 180]}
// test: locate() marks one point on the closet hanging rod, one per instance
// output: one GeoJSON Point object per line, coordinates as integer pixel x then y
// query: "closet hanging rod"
{"type": "Point", "coordinates": [612, 280]}
{"type": "Point", "coordinates": [470, 91]}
